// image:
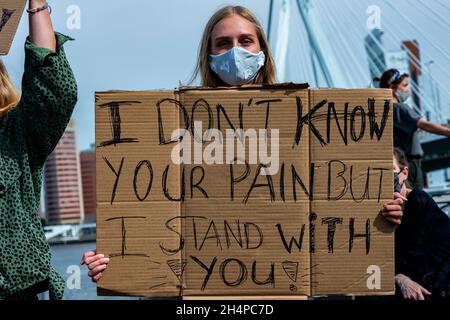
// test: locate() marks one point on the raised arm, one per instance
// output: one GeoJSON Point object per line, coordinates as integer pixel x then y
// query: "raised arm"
{"type": "Point", "coordinates": [41, 28]}
{"type": "Point", "coordinates": [49, 89]}
{"type": "Point", "coordinates": [433, 127]}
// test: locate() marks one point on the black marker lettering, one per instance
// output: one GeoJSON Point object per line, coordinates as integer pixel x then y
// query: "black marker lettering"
{"type": "Point", "coordinates": [366, 187]}
{"type": "Point", "coordinates": [247, 235]}
{"type": "Point", "coordinates": [208, 270]}
{"type": "Point", "coordinates": [254, 185]}
{"type": "Point", "coordinates": [331, 222]}
{"type": "Point", "coordinates": [150, 179]}
{"type": "Point", "coordinates": [166, 190]}
{"type": "Point", "coordinates": [180, 247]}
{"type": "Point", "coordinates": [293, 241]}
{"type": "Point", "coordinates": [242, 272]}
{"type": "Point", "coordinates": [270, 280]}
{"type": "Point", "coordinates": [197, 184]}
{"type": "Point", "coordinates": [117, 174]}
{"type": "Point", "coordinates": [353, 235]}
{"type": "Point", "coordinates": [6, 15]}
{"type": "Point", "coordinates": [212, 226]}
{"type": "Point", "coordinates": [203, 104]}
{"type": "Point", "coordinates": [342, 132]}
{"type": "Point", "coordinates": [237, 237]}
{"type": "Point", "coordinates": [115, 122]}
{"type": "Point", "coordinates": [339, 175]}
{"type": "Point", "coordinates": [221, 110]}
{"type": "Point", "coordinates": [182, 109]}
{"type": "Point", "coordinates": [307, 119]}
{"type": "Point", "coordinates": [296, 179]}
{"type": "Point", "coordinates": [380, 186]}
{"type": "Point", "coordinates": [374, 127]}
{"type": "Point", "coordinates": [362, 129]}
{"type": "Point", "coordinates": [268, 102]}
{"type": "Point", "coordinates": [242, 177]}
{"type": "Point", "coordinates": [124, 237]}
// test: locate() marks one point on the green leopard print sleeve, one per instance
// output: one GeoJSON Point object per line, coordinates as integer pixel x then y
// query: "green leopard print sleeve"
{"type": "Point", "coordinates": [49, 92]}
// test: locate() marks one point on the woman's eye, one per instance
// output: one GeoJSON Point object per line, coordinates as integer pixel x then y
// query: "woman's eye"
{"type": "Point", "coordinates": [222, 43]}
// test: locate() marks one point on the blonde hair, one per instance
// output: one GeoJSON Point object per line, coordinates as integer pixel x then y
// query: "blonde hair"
{"type": "Point", "coordinates": [9, 95]}
{"type": "Point", "coordinates": [209, 78]}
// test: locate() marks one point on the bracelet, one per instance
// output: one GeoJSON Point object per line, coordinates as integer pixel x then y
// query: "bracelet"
{"type": "Point", "coordinates": [36, 10]}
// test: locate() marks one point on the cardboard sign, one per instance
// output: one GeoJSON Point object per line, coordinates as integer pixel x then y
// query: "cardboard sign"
{"type": "Point", "coordinates": [282, 199]}
{"type": "Point", "coordinates": [10, 14]}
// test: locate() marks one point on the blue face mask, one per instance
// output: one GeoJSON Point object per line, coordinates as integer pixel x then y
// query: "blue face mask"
{"type": "Point", "coordinates": [402, 96]}
{"type": "Point", "coordinates": [237, 66]}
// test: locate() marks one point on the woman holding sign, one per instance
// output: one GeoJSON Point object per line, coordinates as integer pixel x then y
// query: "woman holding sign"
{"type": "Point", "coordinates": [234, 51]}
{"type": "Point", "coordinates": [31, 125]}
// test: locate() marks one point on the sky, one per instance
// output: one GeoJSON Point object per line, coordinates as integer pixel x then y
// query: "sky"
{"type": "Point", "coordinates": [146, 45]}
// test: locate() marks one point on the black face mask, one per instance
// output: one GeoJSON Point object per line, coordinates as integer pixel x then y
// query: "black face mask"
{"type": "Point", "coordinates": [397, 185]}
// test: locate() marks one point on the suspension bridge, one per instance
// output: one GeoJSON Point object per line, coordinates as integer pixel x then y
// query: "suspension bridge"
{"type": "Point", "coordinates": [332, 44]}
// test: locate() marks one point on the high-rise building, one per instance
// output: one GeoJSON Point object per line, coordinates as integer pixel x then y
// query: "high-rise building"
{"type": "Point", "coordinates": [413, 49]}
{"type": "Point", "coordinates": [375, 53]}
{"type": "Point", "coordinates": [87, 164]}
{"type": "Point", "coordinates": [62, 183]}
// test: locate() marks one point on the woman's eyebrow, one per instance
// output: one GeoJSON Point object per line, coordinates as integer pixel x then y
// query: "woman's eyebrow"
{"type": "Point", "coordinates": [222, 38]}
{"type": "Point", "coordinates": [249, 35]}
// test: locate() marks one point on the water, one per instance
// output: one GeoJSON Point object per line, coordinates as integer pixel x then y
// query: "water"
{"type": "Point", "coordinates": [66, 260]}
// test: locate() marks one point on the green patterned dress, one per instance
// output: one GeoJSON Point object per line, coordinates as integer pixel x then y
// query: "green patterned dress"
{"type": "Point", "coordinates": [28, 134]}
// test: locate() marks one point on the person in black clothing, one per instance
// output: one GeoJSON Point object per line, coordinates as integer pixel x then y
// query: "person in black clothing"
{"type": "Point", "coordinates": [422, 242]}
{"type": "Point", "coordinates": [407, 121]}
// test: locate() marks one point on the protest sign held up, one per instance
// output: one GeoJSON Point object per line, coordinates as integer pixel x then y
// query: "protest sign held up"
{"type": "Point", "coordinates": [257, 191]}
{"type": "Point", "coordinates": [10, 12]}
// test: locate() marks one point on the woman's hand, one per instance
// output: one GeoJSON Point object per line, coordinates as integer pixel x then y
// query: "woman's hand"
{"type": "Point", "coordinates": [393, 210]}
{"type": "Point", "coordinates": [96, 263]}
{"type": "Point", "coordinates": [411, 290]}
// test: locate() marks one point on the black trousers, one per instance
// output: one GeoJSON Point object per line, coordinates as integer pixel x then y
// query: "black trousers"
{"type": "Point", "coordinates": [22, 297]}
{"type": "Point", "coordinates": [31, 293]}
